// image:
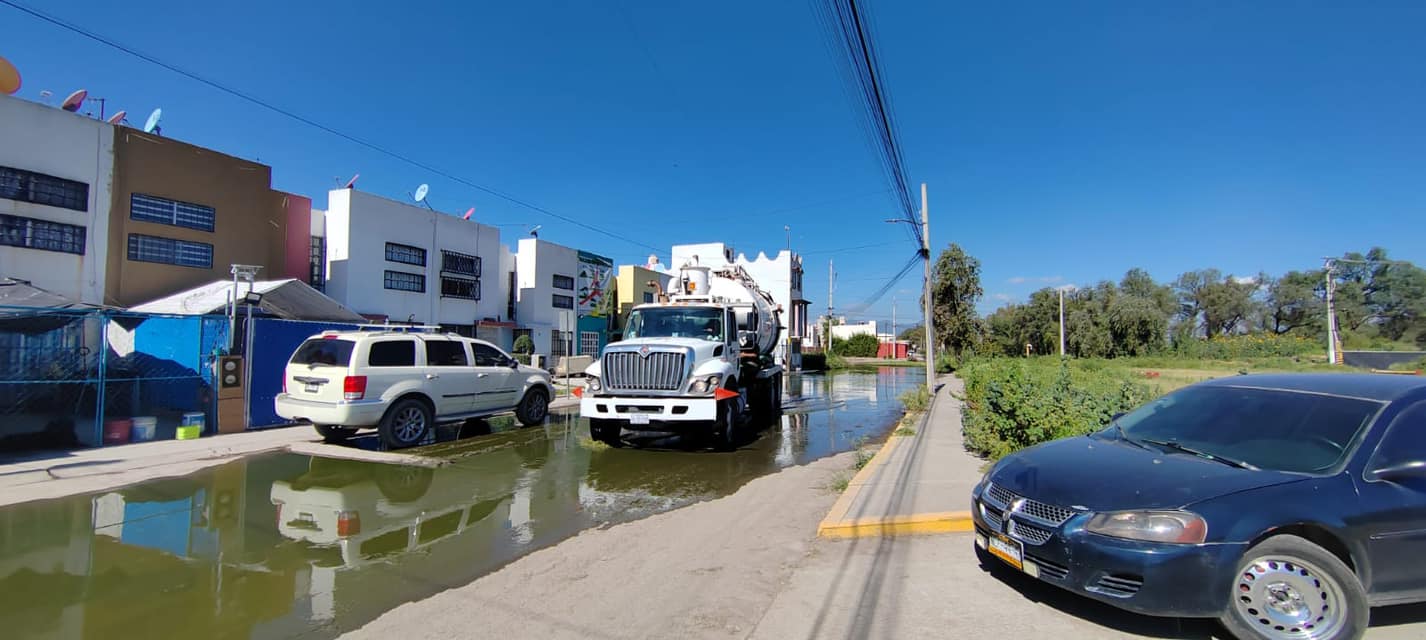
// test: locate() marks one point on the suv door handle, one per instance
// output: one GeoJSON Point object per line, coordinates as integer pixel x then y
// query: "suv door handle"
{"type": "Point", "coordinates": [481, 375]}
{"type": "Point", "coordinates": [432, 376]}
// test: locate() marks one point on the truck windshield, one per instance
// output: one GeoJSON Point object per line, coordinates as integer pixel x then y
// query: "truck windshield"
{"type": "Point", "coordinates": [676, 322]}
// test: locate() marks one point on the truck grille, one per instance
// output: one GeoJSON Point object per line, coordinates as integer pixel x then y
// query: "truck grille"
{"type": "Point", "coordinates": [630, 371]}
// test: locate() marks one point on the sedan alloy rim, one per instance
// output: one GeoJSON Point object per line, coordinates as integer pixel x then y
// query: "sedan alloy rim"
{"type": "Point", "coordinates": [1288, 598]}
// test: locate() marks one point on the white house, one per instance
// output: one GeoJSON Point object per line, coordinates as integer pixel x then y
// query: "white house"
{"type": "Point", "coordinates": [560, 298]}
{"type": "Point", "coordinates": [56, 172]}
{"type": "Point", "coordinates": [845, 331]}
{"type": "Point", "coordinates": [780, 275]}
{"type": "Point", "coordinates": [397, 262]}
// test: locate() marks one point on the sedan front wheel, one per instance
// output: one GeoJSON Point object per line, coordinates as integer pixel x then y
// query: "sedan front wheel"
{"type": "Point", "coordinates": [1288, 588]}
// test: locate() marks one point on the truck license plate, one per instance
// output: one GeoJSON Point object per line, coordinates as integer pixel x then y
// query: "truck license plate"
{"type": "Point", "coordinates": [1006, 549]}
{"type": "Point", "coordinates": [638, 418]}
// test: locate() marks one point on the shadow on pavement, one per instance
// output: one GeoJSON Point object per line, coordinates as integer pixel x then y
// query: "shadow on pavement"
{"type": "Point", "coordinates": [1399, 615]}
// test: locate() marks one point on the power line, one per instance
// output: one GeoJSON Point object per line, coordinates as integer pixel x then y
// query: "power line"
{"type": "Point", "coordinates": [842, 249]}
{"type": "Point", "coordinates": [308, 121]}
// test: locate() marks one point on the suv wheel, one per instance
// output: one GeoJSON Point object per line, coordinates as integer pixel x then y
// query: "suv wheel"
{"type": "Point", "coordinates": [331, 433]}
{"type": "Point", "coordinates": [405, 424]}
{"type": "Point", "coordinates": [1288, 588]}
{"type": "Point", "coordinates": [533, 407]}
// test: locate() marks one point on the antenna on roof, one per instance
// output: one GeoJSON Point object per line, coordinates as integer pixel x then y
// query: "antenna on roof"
{"type": "Point", "coordinates": [535, 230]}
{"type": "Point", "coordinates": [74, 101]}
{"type": "Point", "coordinates": [352, 183]}
{"type": "Point", "coordinates": [468, 213]}
{"type": "Point", "coordinates": [45, 95]}
{"type": "Point", "coordinates": [421, 193]}
{"type": "Point", "coordinates": [151, 125]}
{"type": "Point", "coordinates": [118, 118]}
{"type": "Point", "coordinates": [9, 77]}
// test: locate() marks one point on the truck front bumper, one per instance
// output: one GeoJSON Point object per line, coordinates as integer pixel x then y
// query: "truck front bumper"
{"type": "Point", "coordinates": [636, 410]}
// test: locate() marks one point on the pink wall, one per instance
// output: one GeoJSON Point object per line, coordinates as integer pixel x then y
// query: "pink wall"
{"type": "Point", "coordinates": [296, 264]}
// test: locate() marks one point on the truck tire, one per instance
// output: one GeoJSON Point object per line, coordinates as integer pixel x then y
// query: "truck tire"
{"type": "Point", "coordinates": [333, 434]}
{"type": "Point", "coordinates": [405, 424]}
{"type": "Point", "coordinates": [725, 426]}
{"type": "Point", "coordinates": [606, 431]}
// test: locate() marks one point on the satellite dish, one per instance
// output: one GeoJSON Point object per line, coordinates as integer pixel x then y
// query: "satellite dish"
{"type": "Point", "coordinates": [421, 192]}
{"type": "Point", "coordinates": [118, 117]}
{"type": "Point", "coordinates": [152, 123]}
{"type": "Point", "coordinates": [352, 183]}
{"type": "Point", "coordinates": [9, 77]}
{"type": "Point", "coordinates": [468, 213]}
{"type": "Point", "coordinates": [74, 101]}
{"type": "Point", "coordinates": [535, 231]}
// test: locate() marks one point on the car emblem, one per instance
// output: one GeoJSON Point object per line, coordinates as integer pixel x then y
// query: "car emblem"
{"type": "Point", "coordinates": [644, 351]}
{"type": "Point", "coordinates": [1011, 510]}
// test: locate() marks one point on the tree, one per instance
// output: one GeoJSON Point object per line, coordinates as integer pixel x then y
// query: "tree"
{"type": "Point", "coordinates": [1295, 303]}
{"type": "Point", "coordinates": [1226, 304]}
{"type": "Point", "coordinates": [955, 290]}
{"type": "Point", "coordinates": [916, 336]}
{"type": "Point", "coordinates": [1136, 325]}
{"type": "Point", "coordinates": [524, 345]}
{"type": "Point", "coordinates": [1189, 287]}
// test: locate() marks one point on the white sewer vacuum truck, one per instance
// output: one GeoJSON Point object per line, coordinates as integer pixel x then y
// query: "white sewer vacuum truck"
{"type": "Point", "coordinates": [699, 360]}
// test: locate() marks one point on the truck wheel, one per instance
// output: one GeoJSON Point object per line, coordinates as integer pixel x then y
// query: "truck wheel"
{"type": "Point", "coordinates": [606, 431]}
{"type": "Point", "coordinates": [333, 434]}
{"type": "Point", "coordinates": [725, 426]}
{"type": "Point", "coordinates": [777, 395]}
{"type": "Point", "coordinates": [405, 424]}
{"type": "Point", "coordinates": [533, 407]}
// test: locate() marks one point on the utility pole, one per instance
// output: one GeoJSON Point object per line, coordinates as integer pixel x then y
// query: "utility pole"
{"type": "Point", "coordinates": [1062, 323]}
{"type": "Point", "coordinates": [831, 282]}
{"type": "Point", "coordinates": [926, 297]}
{"type": "Point", "coordinates": [893, 328]}
{"type": "Point", "coordinates": [1329, 266]}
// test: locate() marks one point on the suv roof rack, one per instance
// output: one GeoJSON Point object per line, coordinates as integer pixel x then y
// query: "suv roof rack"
{"type": "Point", "coordinates": [403, 328]}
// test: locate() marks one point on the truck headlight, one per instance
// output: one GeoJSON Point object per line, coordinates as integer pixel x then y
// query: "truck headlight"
{"type": "Point", "coordinates": [592, 384]}
{"type": "Point", "coordinates": [1179, 527]}
{"type": "Point", "coordinates": [707, 384]}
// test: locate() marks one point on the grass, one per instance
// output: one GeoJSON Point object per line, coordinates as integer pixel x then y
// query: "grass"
{"type": "Point", "coordinates": [904, 431]}
{"type": "Point", "coordinates": [863, 457]}
{"type": "Point", "coordinates": [840, 483]}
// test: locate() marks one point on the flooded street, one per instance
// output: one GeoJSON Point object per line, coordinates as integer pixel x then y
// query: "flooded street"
{"type": "Point", "coordinates": [286, 546]}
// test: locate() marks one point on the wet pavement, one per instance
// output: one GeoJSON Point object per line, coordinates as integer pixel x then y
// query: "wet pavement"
{"type": "Point", "coordinates": [287, 546]}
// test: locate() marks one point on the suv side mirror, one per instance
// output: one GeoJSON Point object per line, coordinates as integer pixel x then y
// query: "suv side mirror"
{"type": "Point", "coordinates": [748, 339]}
{"type": "Point", "coordinates": [1404, 470]}
{"type": "Point", "coordinates": [512, 362]}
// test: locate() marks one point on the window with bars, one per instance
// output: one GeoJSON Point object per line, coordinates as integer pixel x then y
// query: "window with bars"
{"type": "Point", "coordinates": [405, 254]}
{"type": "Point", "coordinates": [564, 282]}
{"type": "Point", "coordinates": [169, 251]}
{"type": "Point", "coordinates": [462, 263]}
{"type": "Point", "coordinates": [460, 288]}
{"type": "Point", "coordinates": [589, 343]}
{"type": "Point", "coordinates": [317, 260]}
{"type": "Point", "coordinates": [562, 302]}
{"type": "Point", "coordinates": [147, 208]}
{"type": "Point", "coordinates": [29, 186]}
{"type": "Point", "coordinates": [559, 342]}
{"type": "Point", "coordinates": [402, 281]}
{"type": "Point", "coordinates": [30, 233]}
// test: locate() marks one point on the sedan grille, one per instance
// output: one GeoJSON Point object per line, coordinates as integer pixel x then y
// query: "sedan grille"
{"type": "Point", "coordinates": [1047, 514]}
{"type": "Point", "coordinates": [1031, 534]}
{"type": "Point", "coordinates": [1119, 586]}
{"type": "Point", "coordinates": [656, 371]}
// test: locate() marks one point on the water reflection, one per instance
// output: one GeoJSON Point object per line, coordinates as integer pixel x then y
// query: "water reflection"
{"type": "Point", "coordinates": [287, 545]}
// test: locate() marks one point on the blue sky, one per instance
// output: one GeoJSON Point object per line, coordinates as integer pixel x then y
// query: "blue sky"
{"type": "Point", "coordinates": [1062, 142]}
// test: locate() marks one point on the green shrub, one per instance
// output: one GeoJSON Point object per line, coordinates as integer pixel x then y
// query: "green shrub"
{"type": "Point", "coordinates": [946, 363]}
{"type": "Point", "coordinates": [858, 346]}
{"type": "Point", "coordinates": [1418, 364]}
{"type": "Point", "coordinates": [1254, 345]}
{"type": "Point", "coordinates": [1013, 403]}
{"type": "Point", "coordinates": [524, 345]}
{"type": "Point", "coordinates": [835, 361]}
{"type": "Point", "coordinates": [916, 399]}
{"type": "Point", "coordinates": [522, 358]}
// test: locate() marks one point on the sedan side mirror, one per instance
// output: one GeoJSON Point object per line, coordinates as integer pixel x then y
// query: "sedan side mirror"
{"type": "Point", "coordinates": [1404, 470]}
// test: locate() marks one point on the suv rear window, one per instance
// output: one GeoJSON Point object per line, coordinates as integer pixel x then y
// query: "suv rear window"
{"type": "Point", "coordinates": [392, 353]}
{"type": "Point", "coordinates": [319, 351]}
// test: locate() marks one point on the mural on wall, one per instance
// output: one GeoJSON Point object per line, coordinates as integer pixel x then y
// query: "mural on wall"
{"type": "Point", "coordinates": [596, 275]}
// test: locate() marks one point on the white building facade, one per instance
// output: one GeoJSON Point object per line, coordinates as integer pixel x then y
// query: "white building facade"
{"type": "Point", "coordinates": [780, 276]}
{"type": "Point", "coordinates": [396, 262]}
{"type": "Point", "coordinates": [548, 299]}
{"type": "Point", "coordinates": [56, 176]}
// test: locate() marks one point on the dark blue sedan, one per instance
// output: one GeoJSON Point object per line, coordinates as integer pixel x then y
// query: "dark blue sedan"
{"type": "Point", "coordinates": [1284, 505]}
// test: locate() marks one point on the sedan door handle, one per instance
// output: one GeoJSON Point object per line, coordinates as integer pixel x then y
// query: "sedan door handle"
{"type": "Point", "coordinates": [432, 376]}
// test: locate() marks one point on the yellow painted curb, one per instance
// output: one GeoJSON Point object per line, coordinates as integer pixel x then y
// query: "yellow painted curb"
{"type": "Point", "coordinates": [839, 510]}
{"type": "Point", "coordinates": [946, 522]}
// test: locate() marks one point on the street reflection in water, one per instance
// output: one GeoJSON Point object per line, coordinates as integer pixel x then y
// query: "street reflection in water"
{"type": "Point", "coordinates": [291, 546]}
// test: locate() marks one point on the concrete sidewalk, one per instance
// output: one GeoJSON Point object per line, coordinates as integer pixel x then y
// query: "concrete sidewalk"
{"type": "Point", "coordinates": [915, 484]}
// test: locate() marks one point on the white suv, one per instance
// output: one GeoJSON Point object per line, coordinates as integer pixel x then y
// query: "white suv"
{"type": "Point", "coordinates": [404, 382]}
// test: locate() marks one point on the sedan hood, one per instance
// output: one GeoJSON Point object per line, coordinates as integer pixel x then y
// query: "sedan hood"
{"type": "Point", "coordinates": [1101, 474]}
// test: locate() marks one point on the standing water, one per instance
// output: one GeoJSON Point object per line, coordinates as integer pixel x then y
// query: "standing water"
{"type": "Point", "coordinates": [287, 546]}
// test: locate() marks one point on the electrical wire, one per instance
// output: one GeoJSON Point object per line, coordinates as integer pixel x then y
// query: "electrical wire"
{"type": "Point", "coordinates": [312, 123]}
{"type": "Point", "coordinates": [886, 288]}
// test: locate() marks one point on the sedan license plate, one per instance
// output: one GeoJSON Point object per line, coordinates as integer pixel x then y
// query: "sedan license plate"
{"type": "Point", "coordinates": [312, 387]}
{"type": "Point", "coordinates": [638, 418]}
{"type": "Point", "coordinates": [1011, 551]}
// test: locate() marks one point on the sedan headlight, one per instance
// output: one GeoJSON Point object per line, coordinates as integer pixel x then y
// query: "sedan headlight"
{"type": "Point", "coordinates": [1179, 527]}
{"type": "Point", "coordinates": [706, 385]}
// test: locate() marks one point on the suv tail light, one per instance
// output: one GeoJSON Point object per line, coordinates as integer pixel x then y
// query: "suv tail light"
{"type": "Point", "coordinates": [354, 388]}
{"type": "Point", "coordinates": [348, 523]}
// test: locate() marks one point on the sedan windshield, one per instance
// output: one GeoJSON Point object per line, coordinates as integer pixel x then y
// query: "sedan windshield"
{"type": "Point", "coordinates": [1264, 428]}
{"type": "Point", "coordinates": [676, 322]}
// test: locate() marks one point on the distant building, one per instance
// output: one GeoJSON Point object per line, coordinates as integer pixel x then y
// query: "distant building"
{"type": "Point", "coordinates": [55, 172]}
{"type": "Point", "coordinates": [781, 276]}
{"type": "Point", "coordinates": [396, 262]}
{"type": "Point", "coordinates": [633, 289]}
{"type": "Point", "coordinates": [561, 300]}
{"type": "Point", "coordinates": [843, 331]}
